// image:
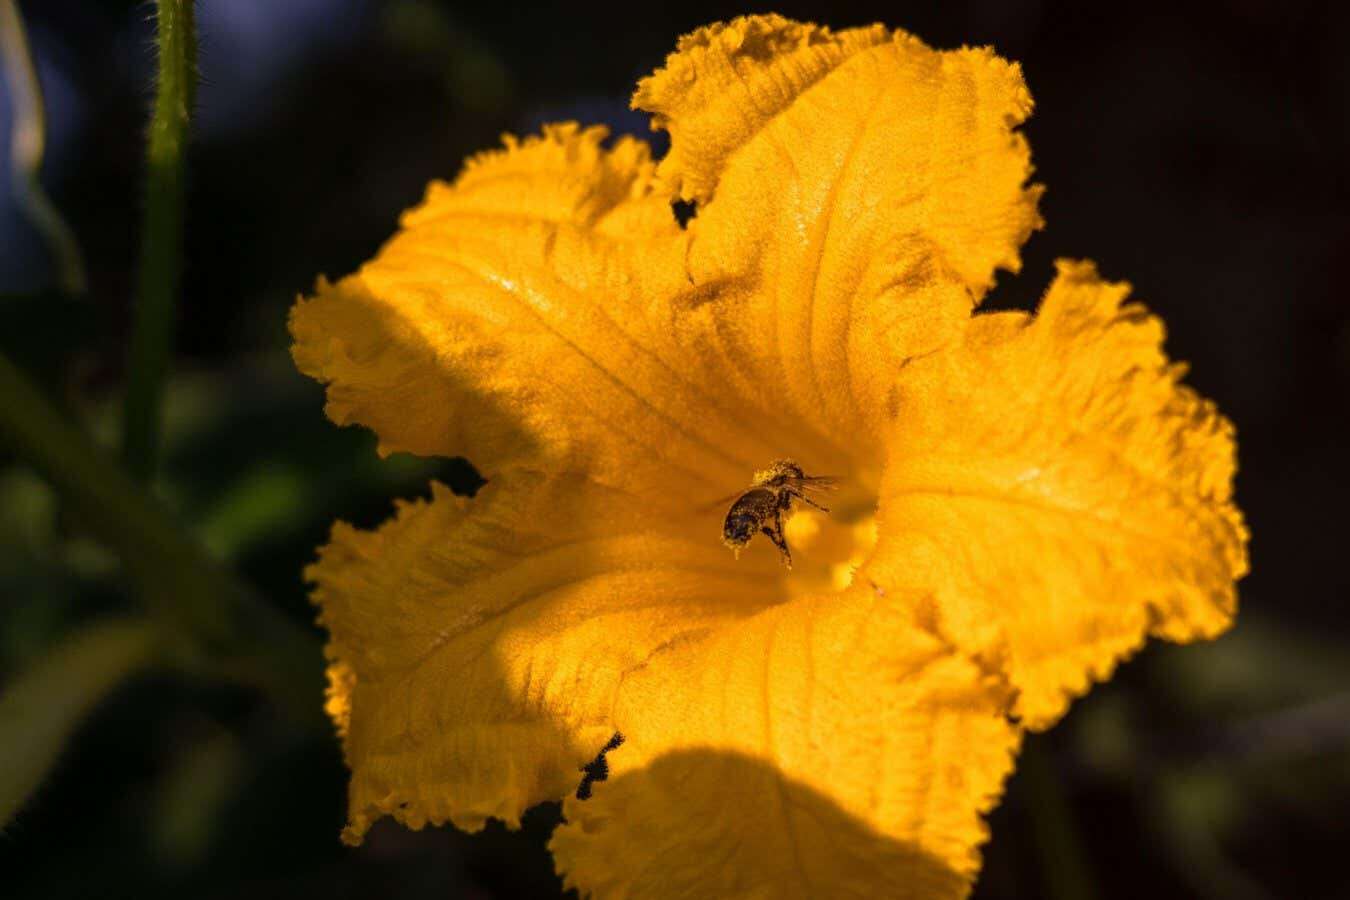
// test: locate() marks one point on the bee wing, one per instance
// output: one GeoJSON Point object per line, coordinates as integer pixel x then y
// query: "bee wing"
{"type": "Point", "coordinates": [813, 483]}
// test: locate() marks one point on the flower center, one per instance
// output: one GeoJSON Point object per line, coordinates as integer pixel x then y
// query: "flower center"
{"type": "Point", "coordinates": [827, 548]}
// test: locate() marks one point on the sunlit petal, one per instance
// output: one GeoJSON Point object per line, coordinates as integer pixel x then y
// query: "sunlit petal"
{"type": "Point", "coordinates": [1060, 493]}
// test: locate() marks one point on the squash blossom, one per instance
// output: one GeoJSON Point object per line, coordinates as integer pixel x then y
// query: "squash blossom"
{"type": "Point", "coordinates": [1022, 499]}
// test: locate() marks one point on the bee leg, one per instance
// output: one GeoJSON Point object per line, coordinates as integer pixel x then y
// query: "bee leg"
{"type": "Point", "coordinates": [809, 502]}
{"type": "Point", "coordinates": [775, 534]}
{"type": "Point", "coordinates": [780, 543]}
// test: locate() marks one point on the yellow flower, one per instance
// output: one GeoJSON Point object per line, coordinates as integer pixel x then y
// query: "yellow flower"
{"type": "Point", "coordinates": [1023, 500]}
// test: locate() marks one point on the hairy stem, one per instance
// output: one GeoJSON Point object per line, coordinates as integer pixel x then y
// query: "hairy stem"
{"type": "Point", "coordinates": [161, 237]}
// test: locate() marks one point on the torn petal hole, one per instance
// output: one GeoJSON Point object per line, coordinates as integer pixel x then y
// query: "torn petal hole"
{"type": "Point", "coordinates": [459, 475]}
{"type": "Point", "coordinates": [598, 768]}
{"type": "Point", "coordinates": [684, 210]}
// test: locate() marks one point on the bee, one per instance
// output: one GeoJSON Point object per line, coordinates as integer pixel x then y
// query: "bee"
{"type": "Point", "coordinates": [760, 509]}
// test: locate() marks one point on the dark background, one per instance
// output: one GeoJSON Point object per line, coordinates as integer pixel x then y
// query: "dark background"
{"type": "Point", "coordinates": [1198, 150]}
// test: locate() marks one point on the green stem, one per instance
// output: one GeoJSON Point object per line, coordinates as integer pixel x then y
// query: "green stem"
{"type": "Point", "coordinates": [183, 587]}
{"type": "Point", "coordinates": [28, 140]}
{"type": "Point", "coordinates": [161, 237]}
{"type": "Point", "coordinates": [1063, 864]}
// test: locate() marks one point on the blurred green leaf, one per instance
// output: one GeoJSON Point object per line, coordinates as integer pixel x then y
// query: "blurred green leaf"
{"type": "Point", "coordinates": [188, 805]}
{"type": "Point", "coordinates": [27, 511]}
{"type": "Point", "coordinates": [184, 587]}
{"type": "Point", "coordinates": [1195, 810]}
{"type": "Point", "coordinates": [41, 709]}
{"type": "Point", "coordinates": [266, 500]}
{"type": "Point", "coordinates": [1258, 665]}
{"type": "Point", "coordinates": [1105, 737]}
{"type": "Point", "coordinates": [173, 573]}
{"type": "Point", "coordinates": [251, 461]}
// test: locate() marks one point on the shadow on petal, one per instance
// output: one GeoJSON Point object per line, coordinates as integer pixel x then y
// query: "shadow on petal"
{"type": "Point", "coordinates": [406, 374]}
{"type": "Point", "coordinates": [476, 644]}
{"type": "Point", "coordinates": [707, 823]}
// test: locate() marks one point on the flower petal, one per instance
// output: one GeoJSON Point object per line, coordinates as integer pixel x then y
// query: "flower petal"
{"type": "Point", "coordinates": [857, 190]}
{"type": "Point", "coordinates": [1060, 493]}
{"type": "Point", "coordinates": [509, 321]}
{"type": "Point", "coordinates": [476, 645]}
{"type": "Point", "coordinates": [825, 747]}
